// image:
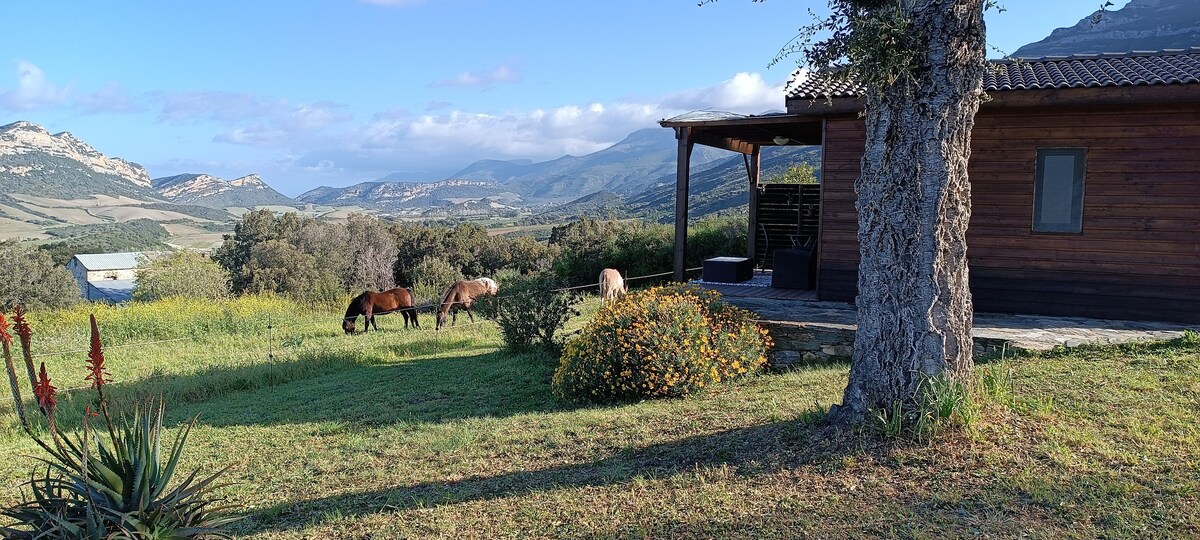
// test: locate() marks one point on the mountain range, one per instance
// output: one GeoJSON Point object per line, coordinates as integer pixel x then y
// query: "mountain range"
{"type": "Point", "coordinates": [636, 163]}
{"type": "Point", "coordinates": [51, 180]}
{"type": "Point", "coordinates": [1142, 25]}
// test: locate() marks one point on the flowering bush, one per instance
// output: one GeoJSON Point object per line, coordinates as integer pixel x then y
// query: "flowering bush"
{"type": "Point", "coordinates": [661, 342]}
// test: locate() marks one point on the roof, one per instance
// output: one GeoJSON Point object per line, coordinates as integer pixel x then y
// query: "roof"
{"type": "Point", "coordinates": [111, 261]}
{"type": "Point", "coordinates": [1140, 68]}
{"type": "Point", "coordinates": [110, 290]}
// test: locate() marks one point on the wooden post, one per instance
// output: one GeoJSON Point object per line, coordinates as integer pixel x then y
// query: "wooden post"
{"type": "Point", "coordinates": [683, 166]}
{"type": "Point", "coordinates": [754, 171]}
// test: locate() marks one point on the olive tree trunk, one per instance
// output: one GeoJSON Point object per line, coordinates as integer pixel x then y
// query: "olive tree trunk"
{"type": "Point", "coordinates": [914, 202]}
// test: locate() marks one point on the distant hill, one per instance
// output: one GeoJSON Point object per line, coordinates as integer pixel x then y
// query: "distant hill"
{"type": "Point", "coordinates": [213, 192]}
{"type": "Point", "coordinates": [392, 196]}
{"type": "Point", "coordinates": [627, 167]}
{"type": "Point", "coordinates": [601, 204]}
{"type": "Point", "coordinates": [58, 190]}
{"type": "Point", "coordinates": [60, 166]}
{"type": "Point", "coordinates": [721, 188]}
{"type": "Point", "coordinates": [1142, 25]}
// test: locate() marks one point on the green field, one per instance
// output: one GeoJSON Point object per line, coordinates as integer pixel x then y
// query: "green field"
{"type": "Point", "coordinates": [403, 434]}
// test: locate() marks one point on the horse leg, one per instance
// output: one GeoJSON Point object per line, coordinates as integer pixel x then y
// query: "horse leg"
{"type": "Point", "coordinates": [469, 316]}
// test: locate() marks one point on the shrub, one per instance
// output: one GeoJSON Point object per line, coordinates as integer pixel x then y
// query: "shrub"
{"type": "Point", "coordinates": [660, 342]}
{"type": "Point", "coordinates": [32, 279]}
{"type": "Point", "coordinates": [431, 277]}
{"type": "Point", "coordinates": [532, 310]}
{"type": "Point", "coordinates": [181, 273]}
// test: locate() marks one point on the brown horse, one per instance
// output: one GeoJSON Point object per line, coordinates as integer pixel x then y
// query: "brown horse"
{"type": "Point", "coordinates": [611, 284]}
{"type": "Point", "coordinates": [462, 295]}
{"type": "Point", "coordinates": [369, 304]}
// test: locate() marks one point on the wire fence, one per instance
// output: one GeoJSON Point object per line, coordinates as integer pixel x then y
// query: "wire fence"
{"type": "Point", "coordinates": [272, 326]}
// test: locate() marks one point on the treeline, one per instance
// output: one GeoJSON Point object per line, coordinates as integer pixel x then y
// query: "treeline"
{"type": "Point", "coordinates": [321, 261]}
{"type": "Point", "coordinates": [133, 235]}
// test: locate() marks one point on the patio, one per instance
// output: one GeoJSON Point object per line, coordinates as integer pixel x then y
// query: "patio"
{"type": "Point", "coordinates": [808, 331]}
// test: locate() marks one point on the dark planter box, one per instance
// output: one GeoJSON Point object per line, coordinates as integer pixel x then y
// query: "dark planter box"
{"type": "Point", "coordinates": [728, 269]}
{"type": "Point", "coordinates": [794, 268]}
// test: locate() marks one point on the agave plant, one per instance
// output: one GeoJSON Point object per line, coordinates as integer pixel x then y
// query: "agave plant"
{"type": "Point", "coordinates": [119, 486]}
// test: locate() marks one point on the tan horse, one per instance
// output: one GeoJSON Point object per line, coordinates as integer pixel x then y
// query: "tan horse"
{"type": "Point", "coordinates": [462, 295]}
{"type": "Point", "coordinates": [611, 284]}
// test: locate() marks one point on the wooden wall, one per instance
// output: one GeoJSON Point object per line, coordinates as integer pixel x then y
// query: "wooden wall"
{"type": "Point", "coordinates": [1138, 256]}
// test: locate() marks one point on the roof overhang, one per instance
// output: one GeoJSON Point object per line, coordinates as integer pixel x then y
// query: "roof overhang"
{"type": "Point", "coordinates": [745, 134]}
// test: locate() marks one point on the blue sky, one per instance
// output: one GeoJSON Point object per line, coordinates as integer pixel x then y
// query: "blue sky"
{"type": "Point", "coordinates": [327, 92]}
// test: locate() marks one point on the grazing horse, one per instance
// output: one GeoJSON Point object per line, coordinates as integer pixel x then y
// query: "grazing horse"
{"type": "Point", "coordinates": [461, 295]}
{"type": "Point", "coordinates": [611, 284]}
{"type": "Point", "coordinates": [369, 304]}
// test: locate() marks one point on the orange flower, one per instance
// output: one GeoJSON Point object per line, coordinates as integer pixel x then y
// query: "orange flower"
{"type": "Point", "coordinates": [44, 391]}
{"type": "Point", "coordinates": [20, 324]}
{"type": "Point", "coordinates": [97, 374]}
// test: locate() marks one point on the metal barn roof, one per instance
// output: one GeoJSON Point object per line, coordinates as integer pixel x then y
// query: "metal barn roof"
{"type": "Point", "coordinates": [111, 261]}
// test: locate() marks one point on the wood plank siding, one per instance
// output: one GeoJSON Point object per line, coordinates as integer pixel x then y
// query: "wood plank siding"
{"type": "Point", "coordinates": [1138, 255]}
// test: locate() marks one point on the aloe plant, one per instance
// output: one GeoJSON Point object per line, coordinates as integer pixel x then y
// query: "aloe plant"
{"type": "Point", "coordinates": [119, 486]}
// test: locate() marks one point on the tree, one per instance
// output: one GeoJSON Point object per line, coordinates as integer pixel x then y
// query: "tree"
{"type": "Point", "coordinates": [796, 174]}
{"type": "Point", "coordinates": [920, 64]}
{"type": "Point", "coordinates": [255, 227]}
{"type": "Point", "coordinates": [180, 273]}
{"type": "Point", "coordinates": [29, 277]}
{"type": "Point", "coordinates": [373, 254]}
{"type": "Point", "coordinates": [279, 267]}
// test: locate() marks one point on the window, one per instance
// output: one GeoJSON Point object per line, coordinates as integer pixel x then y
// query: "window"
{"type": "Point", "coordinates": [1058, 190]}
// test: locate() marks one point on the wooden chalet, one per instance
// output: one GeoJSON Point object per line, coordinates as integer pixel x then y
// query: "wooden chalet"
{"type": "Point", "coordinates": [1085, 176]}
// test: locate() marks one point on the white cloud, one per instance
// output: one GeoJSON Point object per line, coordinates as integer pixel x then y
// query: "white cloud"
{"type": "Point", "coordinates": [745, 93]}
{"type": "Point", "coordinates": [317, 146]}
{"type": "Point", "coordinates": [403, 140]}
{"type": "Point", "coordinates": [252, 120]}
{"type": "Point", "coordinates": [500, 75]}
{"type": "Point", "coordinates": [33, 91]}
{"type": "Point", "coordinates": [111, 99]}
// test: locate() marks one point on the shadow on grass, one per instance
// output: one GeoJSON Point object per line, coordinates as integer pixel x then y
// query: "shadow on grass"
{"type": "Point", "coordinates": [332, 388]}
{"type": "Point", "coordinates": [749, 451]}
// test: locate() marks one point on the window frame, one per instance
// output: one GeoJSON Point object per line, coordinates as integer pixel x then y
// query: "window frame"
{"type": "Point", "coordinates": [1077, 190]}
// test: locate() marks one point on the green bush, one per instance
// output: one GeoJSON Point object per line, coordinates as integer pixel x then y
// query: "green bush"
{"type": "Point", "coordinates": [531, 311]}
{"type": "Point", "coordinates": [181, 273]}
{"type": "Point", "coordinates": [660, 342]}
{"type": "Point", "coordinates": [32, 279]}
{"type": "Point", "coordinates": [431, 277]}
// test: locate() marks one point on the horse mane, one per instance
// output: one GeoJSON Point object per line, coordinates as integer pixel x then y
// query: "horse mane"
{"type": "Point", "coordinates": [356, 301]}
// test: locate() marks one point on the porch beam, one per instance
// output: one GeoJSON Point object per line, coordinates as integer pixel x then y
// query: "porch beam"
{"type": "Point", "coordinates": [754, 172]}
{"type": "Point", "coordinates": [682, 168]}
{"type": "Point", "coordinates": [724, 143]}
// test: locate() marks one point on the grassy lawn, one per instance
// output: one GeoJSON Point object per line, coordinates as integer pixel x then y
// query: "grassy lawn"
{"type": "Point", "coordinates": [404, 434]}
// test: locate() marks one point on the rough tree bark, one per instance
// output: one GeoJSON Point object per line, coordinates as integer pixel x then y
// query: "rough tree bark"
{"type": "Point", "coordinates": [914, 305]}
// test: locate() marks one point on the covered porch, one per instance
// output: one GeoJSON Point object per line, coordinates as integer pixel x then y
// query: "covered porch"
{"type": "Point", "coordinates": [747, 135]}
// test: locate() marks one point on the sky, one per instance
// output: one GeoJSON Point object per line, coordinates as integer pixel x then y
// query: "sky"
{"type": "Point", "coordinates": [336, 92]}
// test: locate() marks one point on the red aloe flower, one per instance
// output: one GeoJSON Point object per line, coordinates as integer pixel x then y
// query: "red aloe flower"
{"type": "Point", "coordinates": [97, 374]}
{"type": "Point", "coordinates": [4, 335]}
{"type": "Point", "coordinates": [45, 392]}
{"type": "Point", "coordinates": [20, 324]}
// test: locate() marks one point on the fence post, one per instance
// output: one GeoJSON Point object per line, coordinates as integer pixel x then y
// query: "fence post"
{"type": "Point", "coordinates": [270, 340]}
